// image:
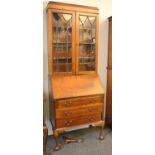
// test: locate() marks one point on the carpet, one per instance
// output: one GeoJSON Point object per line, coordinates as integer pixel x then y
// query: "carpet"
{"type": "Point", "coordinates": [90, 146]}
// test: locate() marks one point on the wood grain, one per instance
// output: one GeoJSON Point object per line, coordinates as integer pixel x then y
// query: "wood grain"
{"type": "Point", "coordinates": [79, 111]}
{"type": "Point", "coordinates": [71, 7]}
{"type": "Point", "coordinates": [109, 79]}
{"type": "Point", "coordinates": [76, 86]}
{"type": "Point", "coordinates": [78, 101]}
{"type": "Point", "coordinates": [77, 121]}
{"type": "Point", "coordinates": [76, 98]}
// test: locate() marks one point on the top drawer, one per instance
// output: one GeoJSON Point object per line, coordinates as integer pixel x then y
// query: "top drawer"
{"type": "Point", "coordinates": [78, 101]}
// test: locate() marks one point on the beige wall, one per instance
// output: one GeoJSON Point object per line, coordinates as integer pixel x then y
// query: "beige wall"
{"type": "Point", "coordinates": [105, 7]}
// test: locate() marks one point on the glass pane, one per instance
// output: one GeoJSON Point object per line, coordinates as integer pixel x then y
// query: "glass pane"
{"type": "Point", "coordinates": [87, 43]}
{"type": "Point", "coordinates": [62, 42]}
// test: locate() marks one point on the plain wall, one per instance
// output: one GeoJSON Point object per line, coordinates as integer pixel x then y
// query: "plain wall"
{"type": "Point", "coordinates": [105, 9]}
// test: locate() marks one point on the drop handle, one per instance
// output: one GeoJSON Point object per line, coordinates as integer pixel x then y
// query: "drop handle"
{"type": "Point", "coordinates": [92, 110]}
{"type": "Point", "coordinates": [92, 101]}
{"type": "Point", "coordinates": [67, 113]}
{"type": "Point", "coordinates": [68, 123]}
{"type": "Point", "coordinates": [91, 119]}
{"type": "Point", "coordinates": [67, 103]}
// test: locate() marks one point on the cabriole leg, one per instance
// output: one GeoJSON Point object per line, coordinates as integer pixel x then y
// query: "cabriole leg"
{"type": "Point", "coordinates": [45, 139]}
{"type": "Point", "coordinates": [101, 137]}
{"type": "Point", "coordinates": [57, 146]}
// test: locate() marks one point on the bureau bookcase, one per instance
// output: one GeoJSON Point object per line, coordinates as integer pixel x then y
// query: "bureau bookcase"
{"type": "Point", "coordinates": [75, 89]}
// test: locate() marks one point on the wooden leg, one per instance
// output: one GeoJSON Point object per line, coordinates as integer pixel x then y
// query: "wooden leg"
{"type": "Point", "coordinates": [56, 135]}
{"type": "Point", "coordinates": [90, 126]}
{"type": "Point", "coordinates": [101, 125]}
{"type": "Point", "coordinates": [101, 137]}
{"type": "Point", "coordinates": [45, 139]}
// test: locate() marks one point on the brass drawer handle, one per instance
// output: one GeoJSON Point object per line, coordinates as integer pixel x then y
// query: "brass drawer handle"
{"type": "Point", "coordinates": [67, 113]}
{"type": "Point", "coordinates": [92, 100]}
{"type": "Point", "coordinates": [67, 103]}
{"type": "Point", "coordinates": [92, 110]}
{"type": "Point", "coordinates": [92, 119]}
{"type": "Point", "coordinates": [68, 123]}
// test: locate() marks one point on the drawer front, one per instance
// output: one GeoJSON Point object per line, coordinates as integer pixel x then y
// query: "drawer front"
{"type": "Point", "coordinates": [78, 111]}
{"type": "Point", "coordinates": [78, 101]}
{"type": "Point", "coordinates": [77, 121]}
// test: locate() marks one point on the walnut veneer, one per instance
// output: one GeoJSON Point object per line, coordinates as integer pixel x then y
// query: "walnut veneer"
{"type": "Point", "coordinates": [109, 78]}
{"type": "Point", "coordinates": [75, 90]}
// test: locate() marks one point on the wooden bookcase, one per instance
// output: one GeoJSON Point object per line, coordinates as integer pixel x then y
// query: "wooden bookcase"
{"type": "Point", "coordinates": [76, 92]}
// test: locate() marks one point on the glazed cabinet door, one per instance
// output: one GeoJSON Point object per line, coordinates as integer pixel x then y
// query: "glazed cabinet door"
{"type": "Point", "coordinates": [86, 43]}
{"type": "Point", "coordinates": [61, 25]}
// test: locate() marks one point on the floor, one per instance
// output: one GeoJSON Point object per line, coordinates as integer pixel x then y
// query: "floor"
{"type": "Point", "coordinates": [91, 145]}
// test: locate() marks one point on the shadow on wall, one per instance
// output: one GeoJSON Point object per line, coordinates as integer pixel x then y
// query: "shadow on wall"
{"type": "Point", "coordinates": [45, 63]}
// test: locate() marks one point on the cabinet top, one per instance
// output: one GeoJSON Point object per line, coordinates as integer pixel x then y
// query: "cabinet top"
{"type": "Point", "coordinates": [76, 86]}
{"type": "Point", "coordinates": [71, 7]}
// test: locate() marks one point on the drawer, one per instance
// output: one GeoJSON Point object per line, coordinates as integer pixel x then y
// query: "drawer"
{"type": "Point", "coordinates": [78, 101]}
{"type": "Point", "coordinates": [79, 111]}
{"type": "Point", "coordinates": [78, 121]}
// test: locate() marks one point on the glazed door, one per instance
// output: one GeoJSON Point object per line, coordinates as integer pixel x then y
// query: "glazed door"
{"type": "Point", "coordinates": [86, 43]}
{"type": "Point", "coordinates": [62, 41]}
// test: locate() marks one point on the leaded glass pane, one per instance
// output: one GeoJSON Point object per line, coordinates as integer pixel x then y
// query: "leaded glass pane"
{"type": "Point", "coordinates": [87, 43]}
{"type": "Point", "coordinates": [62, 42]}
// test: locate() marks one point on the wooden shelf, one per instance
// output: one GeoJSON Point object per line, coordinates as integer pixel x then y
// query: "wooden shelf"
{"type": "Point", "coordinates": [87, 28]}
{"type": "Point", "coordinates": [62, 63]}
{"type": "Point", "coordinates": [63, 27]}
{"type": "Point", "coordinates": [87, 63]}
{"type": "Point", "coordinates": [64, 51]}
{"type": "Point", "coordinates": [83, 43]}
{"type": "Point", "coordinates": [86, 57]}
{"type": "Point", "coordinates": [62, 58]}
{"type": "Point", "coordinates": [62, 43]}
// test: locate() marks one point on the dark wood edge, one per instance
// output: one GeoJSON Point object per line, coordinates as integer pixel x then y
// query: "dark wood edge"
{"type": "Point", "coordinates": [107, 124]}
{"type": "Point", "coordinates": [66, 129]}
{"type": "Point", "coordinates": [67, 4]}
{"type": "Point", "coordinates": [66, 74]}
{"type": "Point", "coordinates": [110, 18]}
{"type": "Point", "coordinates": [74, 97]}
{"type": "Point", "coordinates": [94, 124]}
{"type": "Point", "coordinates": [109, 67]}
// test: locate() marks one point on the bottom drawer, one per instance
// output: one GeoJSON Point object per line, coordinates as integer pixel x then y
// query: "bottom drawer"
{"type": "Point", "coordinates": [77, 121]}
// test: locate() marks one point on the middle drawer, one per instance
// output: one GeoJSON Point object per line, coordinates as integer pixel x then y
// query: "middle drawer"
{"type": "Point", "coordinates": [78, 111]}
{"type": "Point", "coordinates": [75, 102]}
